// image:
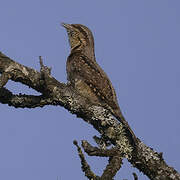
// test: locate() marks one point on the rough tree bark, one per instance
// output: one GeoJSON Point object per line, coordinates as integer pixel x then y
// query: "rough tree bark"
{"type": "Point", "coordinates": [112, 132]}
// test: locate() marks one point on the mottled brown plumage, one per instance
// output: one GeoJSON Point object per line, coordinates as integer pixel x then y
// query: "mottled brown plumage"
{"type": "Point", "coordinates": [86, 75]}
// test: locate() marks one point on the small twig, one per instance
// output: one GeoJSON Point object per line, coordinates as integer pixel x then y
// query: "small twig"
{"type": "Point", "coordinates": [135, 176]}
{"type": "Point", "coordinates": [44, 69]}
{"type": "Point", "coordinates": [95, 151]}
{"type": "Point", "coordinates": [85, 166]}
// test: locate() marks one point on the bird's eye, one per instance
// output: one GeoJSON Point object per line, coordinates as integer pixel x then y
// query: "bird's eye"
{"type": "Point", "coordinates": [71, 33]}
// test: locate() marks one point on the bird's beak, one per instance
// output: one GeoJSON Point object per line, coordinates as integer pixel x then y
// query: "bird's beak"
{"type": "Point", "coordinates": [67, 26]}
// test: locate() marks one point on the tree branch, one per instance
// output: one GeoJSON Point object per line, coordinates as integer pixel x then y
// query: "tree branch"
{"type": "Point", "coordinates": [22, 100]}
{"type": "Point", "coordinates": [85, 166]}
{"type": "Point", "coordinates": [115, 161]}
{"type": "Point", "coordinates": [53, 92]}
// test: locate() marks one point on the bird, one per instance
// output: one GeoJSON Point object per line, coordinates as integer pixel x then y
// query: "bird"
{"type": "Point", "coordinates": [87, 77]}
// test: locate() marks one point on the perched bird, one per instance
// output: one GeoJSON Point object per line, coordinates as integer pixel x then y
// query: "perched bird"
{"type": "Point", "coordinates": [87, 77]}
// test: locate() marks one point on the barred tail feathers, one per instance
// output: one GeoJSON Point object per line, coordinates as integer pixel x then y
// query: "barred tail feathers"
{"type": "Point", "coordinates": [119, 116]}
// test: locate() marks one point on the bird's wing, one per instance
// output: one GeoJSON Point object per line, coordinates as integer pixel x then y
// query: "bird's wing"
{"type": "Point", "coordinates": [92, 74]}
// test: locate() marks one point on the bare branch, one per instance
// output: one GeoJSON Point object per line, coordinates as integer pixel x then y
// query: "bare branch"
{"type": "Point", "coordinates": [135, 176]}
{"type": "Point", "coordinates": [44, 69]}
{"type": "Point", "coordinates": [115, 158]}
{"type": "Point", "coordinates": [85, 166]}
{"type": "Point", "coordinates": [22, 100]}
{"type": "Point", "coordinates": [95, 151]}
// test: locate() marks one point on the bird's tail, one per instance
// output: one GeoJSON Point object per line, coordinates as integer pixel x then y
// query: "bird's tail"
{"type": "Point", "coordinates": [119, 116]}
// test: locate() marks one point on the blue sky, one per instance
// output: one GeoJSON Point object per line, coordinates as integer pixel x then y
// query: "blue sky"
{"type": "Point", "coordinates": [137, 44]}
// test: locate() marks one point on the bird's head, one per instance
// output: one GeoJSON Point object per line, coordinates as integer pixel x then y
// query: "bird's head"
{"type": "Point", "coordinates": [80, 38]}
